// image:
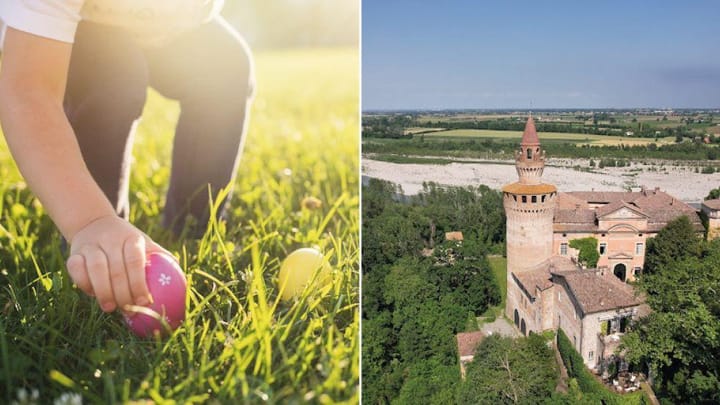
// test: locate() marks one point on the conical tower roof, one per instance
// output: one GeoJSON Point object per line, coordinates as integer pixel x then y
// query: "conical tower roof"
{"type": "Point", "coordinates": [530, 134]}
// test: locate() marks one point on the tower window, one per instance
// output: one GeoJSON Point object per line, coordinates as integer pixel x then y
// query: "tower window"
{"type": "Point", "coordinates": [603, 248]}
{"type": "Point", "coordinates": [563, 249]}
{"type": "Point", "coordinates": [524, 199]}
{"type": "Point", "coordinates": [543, 198]}
{"type": "Point", "coordinates": [534, 198]}
{"type": "Point", "coordinates": [529, 153]}
{"type": "Point", "coordinates": [638, 248]}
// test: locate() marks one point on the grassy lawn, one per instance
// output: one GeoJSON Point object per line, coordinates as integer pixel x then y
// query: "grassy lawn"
{"type": "Point", "coordinates": [498, 265]}
{"type": "Point", "coordinates": [239, 343]}
{"type": "Point", "coordinates": [547, 136]}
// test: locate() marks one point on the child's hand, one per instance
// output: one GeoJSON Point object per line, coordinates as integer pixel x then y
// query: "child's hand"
{"type": "Point", "coordinates": [107, 260]}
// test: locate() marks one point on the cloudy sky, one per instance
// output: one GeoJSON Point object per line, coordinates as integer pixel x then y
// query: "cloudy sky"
{"type": "Point", "coordinates": [522, 54]}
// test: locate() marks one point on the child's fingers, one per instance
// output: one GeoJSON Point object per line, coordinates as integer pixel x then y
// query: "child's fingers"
{"type": "Point", "coordinates": [119, 275]}
{"type": "Point", "coordinates": [78, 273]}
{"type": "Point", "coordinates": [99, 275]}
{"type": "Point", "coordinates": [134, 256]}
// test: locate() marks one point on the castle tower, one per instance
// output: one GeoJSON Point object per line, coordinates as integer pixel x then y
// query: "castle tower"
{"type": "Point", "coordinates": [529, 207]}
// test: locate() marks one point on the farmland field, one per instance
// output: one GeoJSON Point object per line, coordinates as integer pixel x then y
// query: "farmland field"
{"type": "Point", "coordinates": [548, 136]}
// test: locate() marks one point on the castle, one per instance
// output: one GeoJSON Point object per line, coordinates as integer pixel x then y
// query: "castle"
{"type": "Point", "coordinates": [546, 286]}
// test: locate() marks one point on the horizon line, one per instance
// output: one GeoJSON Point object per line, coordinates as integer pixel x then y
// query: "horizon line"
{"type": "Point", "coordinates": [533, 108]}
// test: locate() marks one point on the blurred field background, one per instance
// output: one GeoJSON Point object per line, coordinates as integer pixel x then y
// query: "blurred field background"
{"type": "Point", "coordinates": [239, 343]}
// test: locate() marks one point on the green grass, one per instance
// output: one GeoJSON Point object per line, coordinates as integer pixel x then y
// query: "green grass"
{"type": "Point", "coordinates": [239, 343]}
{"type": "Point", "coordinates": [498, 265]}
{"type": "Point", "coordinates": [547, 136]}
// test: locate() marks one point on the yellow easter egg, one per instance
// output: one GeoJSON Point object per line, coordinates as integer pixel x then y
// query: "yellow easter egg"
{"type": "Point", "coordinates": [297, 271]}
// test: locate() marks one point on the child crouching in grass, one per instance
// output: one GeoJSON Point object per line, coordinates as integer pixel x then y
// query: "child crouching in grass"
{"type": "Point", "coordinates": [73, 83]}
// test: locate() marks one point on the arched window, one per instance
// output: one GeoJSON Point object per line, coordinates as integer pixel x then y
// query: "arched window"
{"type": "Point", "coordinates": [522, 327]}
{"type": "Point", "coordinates": [516, 317]}
{"type": "Point", "coordinates": [529, 153]}
{"type": "Point", "coordinates": [620, 271]}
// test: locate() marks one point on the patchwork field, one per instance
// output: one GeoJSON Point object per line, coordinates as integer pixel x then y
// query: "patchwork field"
{"type": "Point", "coordinates": [579, 139]}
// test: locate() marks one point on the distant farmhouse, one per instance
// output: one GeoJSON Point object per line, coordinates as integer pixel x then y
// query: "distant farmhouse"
{"type": "Point", "coordinates": [546, 287]}
{"type": "Point", "coordinates": [711, 209]}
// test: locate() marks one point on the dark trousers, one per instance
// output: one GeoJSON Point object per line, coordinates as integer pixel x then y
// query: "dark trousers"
{"type": "Point", "coordinates": [208, 70]}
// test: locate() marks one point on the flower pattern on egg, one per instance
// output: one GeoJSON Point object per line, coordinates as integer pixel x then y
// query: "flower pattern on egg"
{"type": "Point", "coordinates": [164, 279]}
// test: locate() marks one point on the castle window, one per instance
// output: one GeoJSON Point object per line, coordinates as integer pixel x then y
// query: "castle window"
{"type": "Point", "coordinates": [637, 270]}
{"type": "Point", "coordinates": [603, 248]}
{"type": "Point", "coordinates": [638, 248]}
{"type": "Point", "coordinates": [563, 249]}
{"type": "Point", "coordinates": [529, 153]}
{"type": "Point", "coordinates": [524, 198]}
{"type": "Point", "coordinates": [515, 198]}
{"type": "Point", "coordinates": [534, 198]}
{"type": "Point", "coordinates": [590, 355]}
{"type": "Point", "coordinates": [543, 198]}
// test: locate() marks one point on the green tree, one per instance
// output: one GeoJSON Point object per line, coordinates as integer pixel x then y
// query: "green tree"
{"type": "Point", "coordinates": [714, 193]}
{"type": "Point", "coordinates": [676, 241]}
{"type": "Point", "coordinates": [429, 382]}
{"type": "Point", "coordinates": [588, 251]}
{"type": "Point", "coordinates": [510, 371]}
{"type": "Point", "coordinates": [680, 339]}
{"type": "Point", "coordinates": [414, 305]}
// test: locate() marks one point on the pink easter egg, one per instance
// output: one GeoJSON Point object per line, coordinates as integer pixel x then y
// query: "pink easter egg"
{"type": "Point", "coordinates": [167, 285]}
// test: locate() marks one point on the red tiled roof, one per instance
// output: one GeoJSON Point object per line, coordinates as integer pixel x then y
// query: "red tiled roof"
{"type": "Point", "coordinates": [539, 276]}
{"type": "Point", "coordinates": [712, 204]}
{"type": "Point", "coordinates": [575, 216]}
{"type": "Point", "coordinates": [604, 197]}
{"type": "Point", "coordinates": [569, 201]}
{"type": "Point", "coordinates": [572, 214]}
{"type": "Point", "coordinates": [616, 205]}
{"type": "Point", "coordinates": [454, 236]}
{"type": "Point", "coordinates": [597, 293]}
{"type": "Point", "coordinates": [530, 136]}
{"type": "Point", "coordinates": [529, 189]}
{"type": "Point", "coordinates": [468, 341]}
{"type": "Point", "coordinates": [585, 227]}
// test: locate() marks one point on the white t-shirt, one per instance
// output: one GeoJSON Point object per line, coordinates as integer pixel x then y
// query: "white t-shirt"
{"type": "Point", "coordinates": [151, 22]}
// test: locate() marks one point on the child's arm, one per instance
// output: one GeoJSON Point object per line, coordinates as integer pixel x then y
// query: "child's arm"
{"type": "Point", "coordinates": [108, 253]}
